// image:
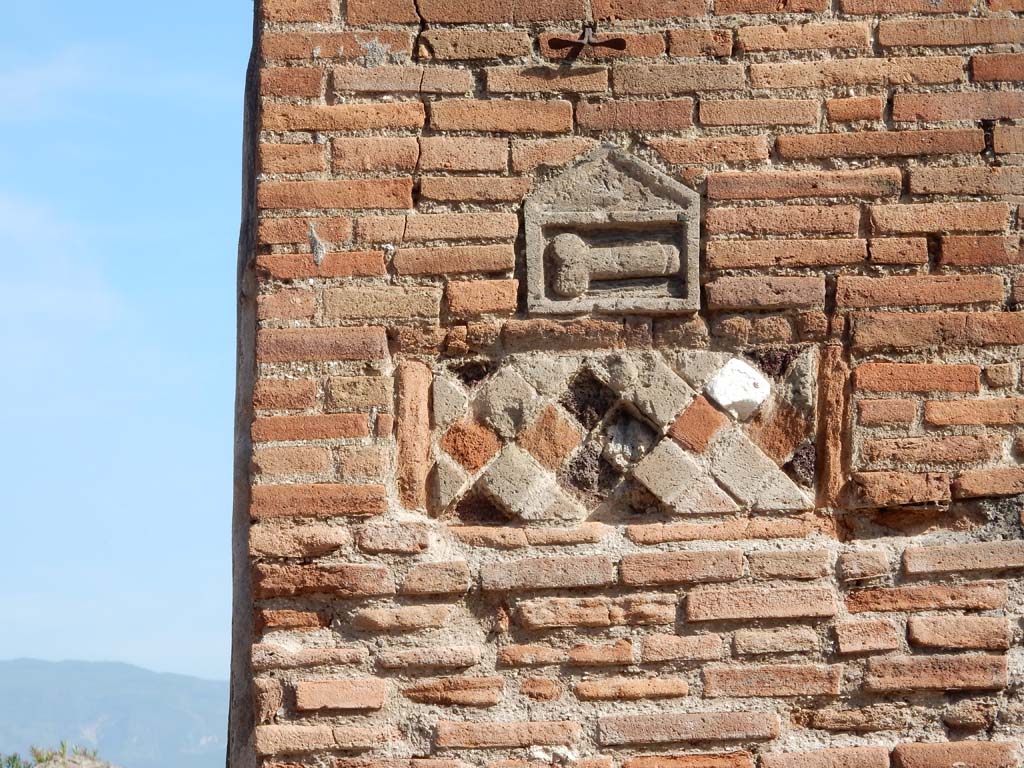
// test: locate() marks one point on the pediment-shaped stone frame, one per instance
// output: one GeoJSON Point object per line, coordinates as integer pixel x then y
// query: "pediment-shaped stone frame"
{"type": "Point", "coordinates": [614, 218]}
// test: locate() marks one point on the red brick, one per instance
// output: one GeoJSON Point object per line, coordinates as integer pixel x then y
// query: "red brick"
{"type": "Point", "coordinates": [337, 45]}
{"type": "Point", "coordinates": [550, 438]}
{"type": "Point", "coordinates": [785, 220]}
{"type": "Point", "coordinates": [697, 425]}
{"type": "Point", "coordinates": [292, 82]}
{"type": "Point", "coordinates": [910, 330]}
{"type": "Point", "coordinates": [875, 413]}
{"type": "Point", "coordinates": [976, 483]}
{"type": "Point", "coordinates": [530, 154]}
{"type": "Point", "coordinates": [587, 333]}
{"type": "Point", "coordinates": [911, 290]}
{"type": "Point", "coordinates": [664, 115]}
{"type": "Point", "coordinates": [674, 727]}
{"type": "Point", "coordinates": [349, 580]}
{"type": "Point", "coordinates": [381, 12]}
{"type": "Point", "coordinates": [1008, 139]}
{"type": "Point", "coordinates": [947, 107]}
{"type": "Point", "coordinates": [681, 567]}
{"type": "Point", "coordinates": [541, 688]}
{"type": "Point", "coordinates": [730, 759]}
{"type": "Point", "coordinates": [619, 653]}
{"type": "Point", "coordinates": [554, 612]}
{"type": "Point", "coordinates": [904, 70]}
{"type": "Point", "coordinates": [355, 694]}
{"type": "Point", "coordinates": [997, 67]}
{"type": "Point", "coordinates": [396, 229]}
{"type": "Point", "coordinates": [745, 680]}
{"type": "Point", "coordinates": [505, 735]}
{"type": "Point", "coordinates": [286, 304]}
{"type": "Point", "coordinates": [961, 558]}
{"type": "Point", "coordinates": [306, 344]}
{"type": "Point", "coordinates": [917, 377]}
{"type": "Point", "coordinates": [464, 44]}
{"type": "Point", "coordinates": [444, 153]}
{"type": "Point", "coordinates": [953, 141]}
{"type": "Point", "coordinates": [647, 9]}
{"type": "Point", "coordinates": [756, 185]}
{"type": "Point", "coordinates": [981, 180]}
{"type": "Point", "coordinates": [405, 619]}
{"type": "Point", "coordinates": [318, 501]}
{"type": "Point", "coordinates": [725, 149]}
{"type": "Point", "coordinates": [794, 564]}
{"type": "Point", "coordinates": [852, 108]}
{"type": "Point", "coordinates": [936, 673]}
{"type": "Point", "coordinates": [760, 603]}
{"type": "Point", "coordinates": [650, 45]}
{"type": "Point", "coordinates": [374, 154]}
{"type": "Point", "coordinates": [292, 158]}
{"type": "Point", "coordinates": [976, 754]}
{"type": "Point", "coordinates": [297, 10]}
{"type": "Point", "coordinates": [460, 691]}
{"type": "Point", "coordinates": [950, 32]}
{"type": "Point", "coordinates": [284, 394]}
{"type": "Point", "coordinates": [454, 259]}
{"type": "Point", "coordinates": [760, 112]}
{"type": "Point", "coordinates": [299, 620]}
{"type": "Point", "coordinates": [400, 79]}
{"type": "Point", "coordinates": [283, 461]}
{"type": "Point", "coordinates": [475, 298]}
{"type": "Point", "coordinates": [350, 193]}
{"type": "Point", "coordinates": [893, 489]}
{"type": "Point", "coordinates": [977, 596]}
{"type": "Point", "coordinates": [540, 79]}
{"type": "Point", "coordinates": [804, 37]}
{"type": "Point", "coordinates": [700, 42]}
{"type": "Point", "coordinates": [873, 7]}
{"type": "Point", "coordinates": [932, 450]}
{"type": "Point", "coordinates": [467, 12]}
{"type": "Point", "coordinates": [295, 266]}
{"type": "Point", "coordinates": [731, 531]}
{"type": "Point", "coordinates": [444, 578]}
{"type": "Point", "coordinates": [752, 254]}
{"type": "Point", "coordinates": [405, 539]}
{"type": "Point", "coordinates": [630, 689]}
{"type": "Point", "coordinates": [981, 251]}
{"type": "Point", "coordinates": [898, 250]}
{"type": "Point", "coordinates": [474, 189]}
{"type": "Point", "coordinates": [502, 116]}
{"type": "Point", "coordinates": [287, 230]}
{"type": "Point", "coordinates": [340, 425]}
{"type": "Point", "coordinates": [676, 78]}
{"type": "Point", "coordinates": [471, 444]}
{"type": "Point", "coordinates": [343, 117]}
{"type": "Point", "coordinates": [765, 292]}
{"type": "Point", "coordinates": [990, 412]}
{"type": "Point", "coordinates": [867, 636]}
{"type": "Point", "coordinates": [982, 633]}
{"type": "Point", "coordinates": [838, 757]}
{"type": "Point", "coordinates": [412, 456]}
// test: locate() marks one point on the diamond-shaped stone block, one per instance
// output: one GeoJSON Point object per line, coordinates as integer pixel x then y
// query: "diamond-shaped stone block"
{"type": "Point", "coordinates": [739, 388]}
{"type": "Point", "coordinates": [506, 402]}
{"type": "Point", "coordinates": [749, 475]}
{"type": "Point", "coordinates": [550, 438]}
{"type": "Point", "coordinates": [449, 401]}
{"type": "Point", "coordinates": [662, 394]}
{"type": "Point", "coordinates": [517, 483]}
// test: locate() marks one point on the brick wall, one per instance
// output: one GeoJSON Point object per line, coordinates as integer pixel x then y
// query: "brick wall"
{"type": "Point", "coordinates": [647, 405]}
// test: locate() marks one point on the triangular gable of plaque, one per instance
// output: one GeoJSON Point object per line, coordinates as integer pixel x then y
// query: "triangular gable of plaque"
{"type": "Point", "coordinates": [612, 234]}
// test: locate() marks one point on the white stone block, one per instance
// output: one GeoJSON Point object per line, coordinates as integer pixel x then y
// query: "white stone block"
{"type": "Point", "coordinates": [739, 388]}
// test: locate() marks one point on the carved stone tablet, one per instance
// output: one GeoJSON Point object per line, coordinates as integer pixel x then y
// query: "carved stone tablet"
{"type": "Point", "coordinates": [612, 234]}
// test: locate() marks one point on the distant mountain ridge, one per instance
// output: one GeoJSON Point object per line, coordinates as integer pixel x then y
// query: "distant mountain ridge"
{"type": "Point", "coordinates": [133, 717]}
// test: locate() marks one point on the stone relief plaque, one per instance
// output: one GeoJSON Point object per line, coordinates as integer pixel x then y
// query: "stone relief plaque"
{"type": "Point", "coordinates": [612, 234]}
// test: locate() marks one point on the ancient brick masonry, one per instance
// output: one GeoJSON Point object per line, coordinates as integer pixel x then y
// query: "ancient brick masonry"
{"type": "Point", "coordinates": [655, 404]}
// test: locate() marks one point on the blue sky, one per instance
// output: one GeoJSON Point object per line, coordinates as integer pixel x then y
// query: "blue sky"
{"type": "Point", "coordinates": [120, 135]}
